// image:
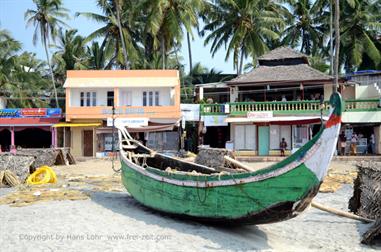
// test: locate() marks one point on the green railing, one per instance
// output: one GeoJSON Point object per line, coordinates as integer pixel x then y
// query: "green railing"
{"type": "Point", "coordinates": [289, 107]}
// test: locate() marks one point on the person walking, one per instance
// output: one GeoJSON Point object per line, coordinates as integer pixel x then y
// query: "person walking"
{"type": "Point", "coordinates": [283, 146]}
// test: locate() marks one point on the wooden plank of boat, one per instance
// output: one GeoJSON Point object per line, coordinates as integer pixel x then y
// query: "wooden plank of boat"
{"type": "Point", "coordinates": [276, 193]}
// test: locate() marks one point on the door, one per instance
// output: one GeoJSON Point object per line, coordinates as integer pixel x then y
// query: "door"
{"type": "Point", "coordinates": [88, 143]}
{"type": "Point", "coordinates": [263, 140]}
{"type": "Point", "coordinates": [244, 137]}
{"type": "Point", "coordinates": [239, 137]}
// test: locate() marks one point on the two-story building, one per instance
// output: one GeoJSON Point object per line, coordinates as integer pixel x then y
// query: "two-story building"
{"type": "Point", "coordinates": [147, 102]}
{"type": "Point", "coordinates": [281, 98]}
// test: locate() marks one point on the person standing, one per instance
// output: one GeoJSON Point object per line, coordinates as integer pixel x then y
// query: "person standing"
{"type": "Point", "coordinates": [283, 146]}
{"type": "Point", "coordinates": [353, 144]}
{"type": "Point", "coordinates": [342, 144]}
{"type": "Point", "coordinates": [372, 142]}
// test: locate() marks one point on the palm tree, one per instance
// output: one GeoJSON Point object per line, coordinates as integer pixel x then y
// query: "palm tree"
{"type": "Point", "coordinates": [307, 27]}
{"type": "Point", "coordinates": [165, 20]}
{"type": "Point", "coordinates": [71, 50]}
{"type": "Point", "coordinates": [243, 27]}
{"type": "Point", "coordinates": [118, 5]}
{"type": "Point", "coordinates": [337, 44]}
{"type": "Point", "coordinates": [110, 32]}
{"type": "Point", "coordinates": [96, 57]}
{"type": "Point", "coordinates": [360, 30]}
{"type": "Point", "coordinates": [46, 18]}
{"type": "Point", "coordinates": [9, 48]}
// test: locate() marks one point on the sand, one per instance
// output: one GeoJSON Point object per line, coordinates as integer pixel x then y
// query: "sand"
{"type": "Point", "coordinates": [113, 221]}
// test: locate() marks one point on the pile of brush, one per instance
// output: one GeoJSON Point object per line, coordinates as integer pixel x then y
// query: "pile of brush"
{"type": "Point", "coordinates": [366, 199]}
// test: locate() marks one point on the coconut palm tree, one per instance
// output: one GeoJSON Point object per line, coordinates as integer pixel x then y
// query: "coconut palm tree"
{"type": "Point", "coordinates": [243, 27]}
{"type": "Point", "coordinates": [307, 27]}
{"type": "Point", "coordinates": [9, 47]}
{"type": "Point", "coordinates": [110, 32]}
{"type": "Point", "coordinates": [360, 30]}
{"type": "Point", "coordinates": [96, 57]}
{"type": "Point", "coordinates": [165, 20]}
{"type": "Point", "coordinates": [70, 52]}
{"type": "Point", "coordinates": [47, 19]}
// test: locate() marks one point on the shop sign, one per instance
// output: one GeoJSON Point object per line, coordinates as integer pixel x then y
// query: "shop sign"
{"type": "Point", "coordinates": [31, 112]}
{"type": "Point", "coordinates": [190, 112]}
{"type": "Point", "coordinates": [121, 111]}
{"type": "Point", "coordinates": [128, 122]}
{"type": "Point", "coordinates": [260, 114]}
{"type": "Point", "coordinates": [215, 120]}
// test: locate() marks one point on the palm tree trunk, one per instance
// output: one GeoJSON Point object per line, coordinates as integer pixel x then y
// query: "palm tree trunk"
{"type": "Point", "coordinates": [331, 37]}
{"type": "Point", "coordinates": [51, 72]}
{"type": "Point", "coordinates": [121, 34]}
{"type": "Point", "coordinates": [162, 45]}
{"type": "Point", "coordinates": [240, 64]}
{"type": "Point", "coordinates": [190, 54]}
{"type": "Point", "coordinates": [337, 43]}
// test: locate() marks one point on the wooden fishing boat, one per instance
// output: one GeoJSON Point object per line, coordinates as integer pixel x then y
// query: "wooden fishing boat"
{"type": "Point", "coordinates": [278, 192]}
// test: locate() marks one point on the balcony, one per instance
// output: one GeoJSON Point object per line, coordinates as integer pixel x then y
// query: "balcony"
{"type": "Point", "coordinates": [286, 108]}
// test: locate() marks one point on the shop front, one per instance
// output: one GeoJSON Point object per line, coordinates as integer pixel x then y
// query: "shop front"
{"type": "Point", "coordinates": [28, 128]}
{"type": "Point", "coordinates": [262, 135]}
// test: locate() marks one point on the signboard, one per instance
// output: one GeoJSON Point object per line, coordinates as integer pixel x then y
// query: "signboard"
{"type": "Point", "coordinates": [190, 112]}
{"type": "Point", "coordinates": [260, 114]}
{"type": "Point", "coordinates": [128, 122]}
{"type": "Point", "coordinates": [31, 112]}
{"type": "Point", "coordinates": [121, 111]}
{"type": "Point", "coordinates": [215, 120]}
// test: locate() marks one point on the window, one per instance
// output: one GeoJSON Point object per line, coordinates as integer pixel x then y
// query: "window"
{"type": "Point", "coordinates": [144, 98]}
{"type": "Point", "coordinates": [88, 94]}
{"type": "Point", "coordinates": [110, 98]}
{"type": "Point", "coordinates": [151, 98]}
{"type": "Point", "coordinates": [82, 99]}
{"type": "Point", "coordinates": [94, 99]}
{"type": "Point", "coordinates": [88, 99]}
{"type": "Point", "coordinates": [156, 98]}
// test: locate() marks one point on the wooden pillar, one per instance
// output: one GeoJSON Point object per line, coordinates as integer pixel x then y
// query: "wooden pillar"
{"type": "Point", "coordinates": [13, 147]}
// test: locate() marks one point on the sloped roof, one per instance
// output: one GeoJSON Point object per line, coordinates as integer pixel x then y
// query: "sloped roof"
{"type": "Point", "coordinates": [282, 53]}
{"type": "Point", "coordinates": [282, 73]}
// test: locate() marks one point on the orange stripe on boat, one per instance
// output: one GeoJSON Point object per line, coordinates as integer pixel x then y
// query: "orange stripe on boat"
{"type": "Point", "coordinates": [333, 120]}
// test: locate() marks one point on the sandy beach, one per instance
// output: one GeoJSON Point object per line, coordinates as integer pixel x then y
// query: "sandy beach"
{"type": "Point", "coordinates": [110, 220]}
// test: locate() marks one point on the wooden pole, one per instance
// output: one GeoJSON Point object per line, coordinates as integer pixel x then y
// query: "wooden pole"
{"type": "Point", "coordinates": [340, 213]}
{"type": "Point", "coordinates": [237, 163]}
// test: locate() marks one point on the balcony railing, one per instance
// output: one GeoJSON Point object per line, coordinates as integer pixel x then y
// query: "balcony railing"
{"type": "Point", "coordinates": [289, 107]}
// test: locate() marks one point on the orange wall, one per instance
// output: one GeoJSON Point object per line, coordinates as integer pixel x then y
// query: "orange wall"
{"type": "Point", "coordinates": [149, 111]}
{"type": "Point", "coordinates": [105, 112]}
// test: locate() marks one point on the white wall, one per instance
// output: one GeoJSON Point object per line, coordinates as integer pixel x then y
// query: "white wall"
{"type": "Point", "coordinates": [366, 92]}
{"type": "Point", "coordinates": [75, 96]}
{"type": "Point", "coordinates": [137, 95]}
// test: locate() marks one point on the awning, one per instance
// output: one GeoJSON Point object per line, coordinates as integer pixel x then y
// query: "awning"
{"type": "Point", "coordinates": [60, 125]}
{"type": "Point", "coordinates": [278, 120]}
{"type": "Point", "coordinates": [28, 122]}
{"type": "Point", "coordinates": [151, 128]}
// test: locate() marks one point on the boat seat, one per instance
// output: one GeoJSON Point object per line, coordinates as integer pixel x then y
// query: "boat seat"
{"type": "Point", "coordinates": [142, 155]}
{"type": "Point", "coordinates": [129, 146]}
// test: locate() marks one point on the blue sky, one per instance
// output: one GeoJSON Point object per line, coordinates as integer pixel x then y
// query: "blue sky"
{"type": "Point", "coordinates": [12, 19]}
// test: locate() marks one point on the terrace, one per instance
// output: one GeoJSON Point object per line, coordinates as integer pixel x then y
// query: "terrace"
{"type": "Point", "coordinates": [286, 108]}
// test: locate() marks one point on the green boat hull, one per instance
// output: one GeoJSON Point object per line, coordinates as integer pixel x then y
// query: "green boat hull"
{"type": "Point", "coordinates": [276, 193]}
{"type": "Point", "coordinates": [258, 202]}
